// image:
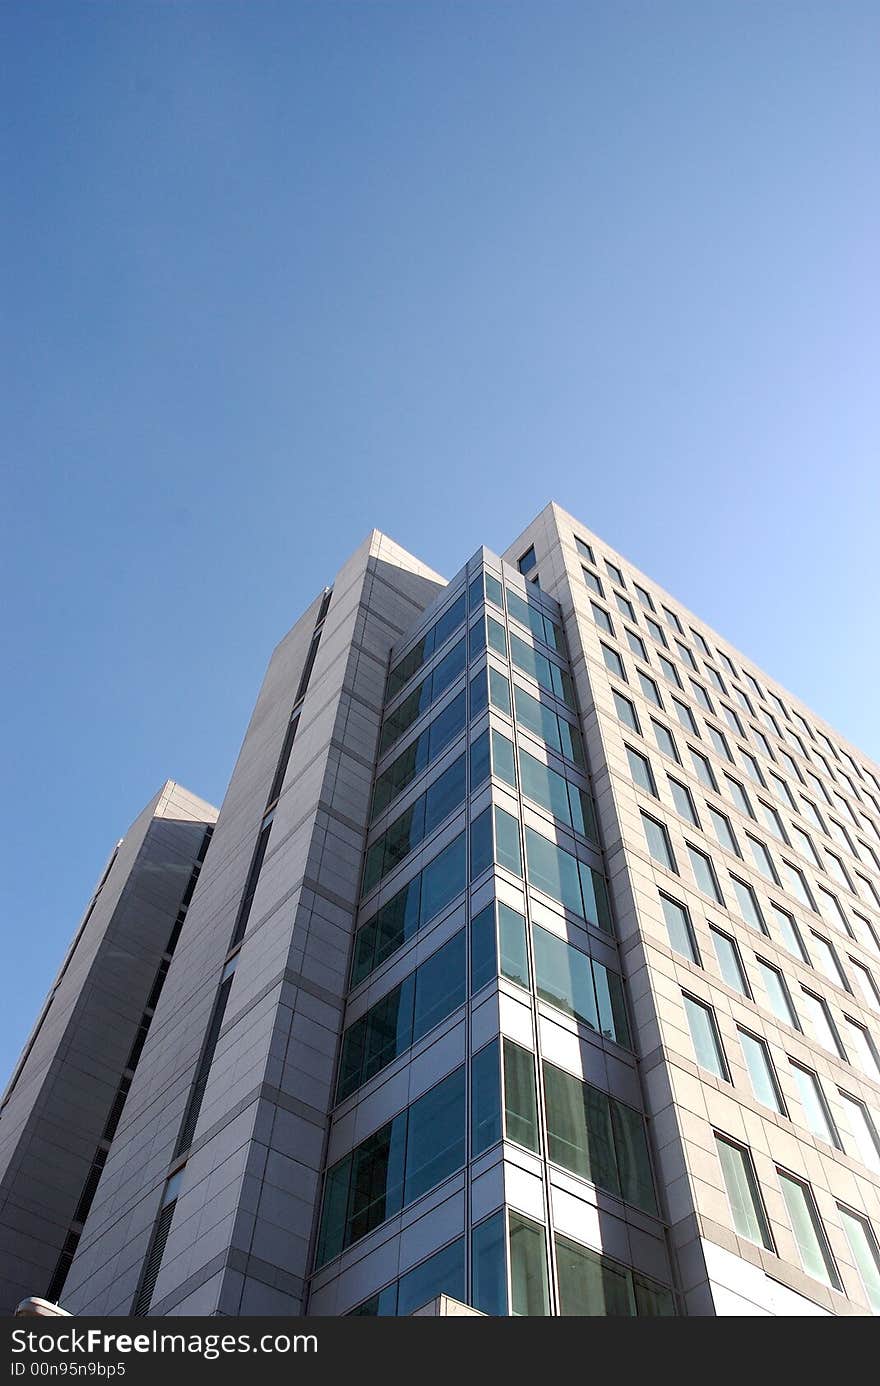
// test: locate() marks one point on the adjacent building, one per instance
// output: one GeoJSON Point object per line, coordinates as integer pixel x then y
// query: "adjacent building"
{"type": "Point", "coordinates": [65, 1099]}
{"type": "Point", "coordinates": [535, 963]}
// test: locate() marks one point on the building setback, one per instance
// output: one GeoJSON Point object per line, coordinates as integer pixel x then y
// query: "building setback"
{"type": "Point", "coordinates": [535, 962]}
{"type": "Point", "coordinates": [65, 1099]}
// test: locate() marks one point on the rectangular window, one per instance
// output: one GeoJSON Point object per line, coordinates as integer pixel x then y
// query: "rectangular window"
{"type": "Point", "coordinates": [644, 597]}
{"type": "Point", "coordinates": [593, 582]}
{"type": "Point", "coordinates": [739, 796]}
{"type": "Point", "coordinates": [701, 642]}
{"type": "Point", "coordinates": [789, 933]}
{"type": "Point", "coordinates": [863, 1245]}
{"type": "Point", "coordinates": [702, 696]}
{"type": "Point", "coordinates": [649, 688]}
{"type": "Point", "coordinates": [614, 572]}
{"type": "Point", "coordinates": [731, 716]}
{"type": "Point", "coordinates": [723, 830]}
{"type": "Point", "coordinates": [640, 769]}
{"type": "Point", "coordinates": [705, 1037]}
{"type": "Point", "coordinates": [573, 883]}
{"type": "Point", "coordinates": [730, 962]}
{"type": "Point", "coordinates": [678, 926]}
{"type": "Point", "coordinates": [565, 800]}
{"type": "Point", "coordinates": [683, 802]}
{"type": "Point", "coordinates": [657, 839]}
{"type": "Point", "coordinates": [520, 1099]}
{"type": "Point", "coordinates": [819, 1022]}
{"type": "Point", "coordinates": [656, 631]}
{"type": "Point", "coordinates": [715, 678]}
{"type": "Point", "coordinates": [598, 1138]}
{"type": "Point", "coordinates": [795, 882]}
{"type": "Point", "coordinates": [528, 561]}
{"type": "Point", "coordinates": [763, 859]}
{"type": "Point", "coordinates": [828, 962]}
{"type": "Point", "coordinates": [602, 619]}
{"type": "Point", "coordinates": [613, 662]}
{"type": "Point", "coordinates": [861, 1048]}
{"type": "Point", "coordinates": [584, 549]}
{"type": "Point", "coordinates": [866, 984]}
{"type": "Point", "coordinates": [673, 620]}
{"type": "Point", "coordinates": [777, 993]}
{"type": "Point", "coordinates": [703, 770]}
{"type": "Point", "coordinates": [626, 712]}
{"type": "Point", "coordinates": [624, 606]}
{"type": "Point", "coordinates": [685, 655]}
{"type": "Point", "coordinates": [750, 765]}
{"type": "Point", "coordinates": [815, 1107]}
{"type": "Point", "coordinates": [743, 701]}
{"type": "Point", "coordinates": [773, 821]}
{"type": "Point", "coordinates": [580, 986]}
{"type": "Point", "coordinates": [809, 1233]}
{"type": "Point", "coordinates": [862, 1142]}
{"type": "Point", "coordinates": [529, 1289]}
{"type": "Point", "coordinates": [421, 1147]}
{"type": "Point", "coordinates": [704, 874]}
{"type": "Point", "coordinates": [746, 1207]}
{"type": "Point", "coordinates": [781, 790]}
{"type": "Point", "coordinates": [665, 740]}
{"type": "Point", "coordinates": [636, 644]}
{"type": "Point", "coordinates": [761, 1071]}
{"type": "Point", "coordinates": [803, 843]}
{"type": "Point", "coordinates": [685, 717]}
{"type": "Point", "coordinates": [719, 741]}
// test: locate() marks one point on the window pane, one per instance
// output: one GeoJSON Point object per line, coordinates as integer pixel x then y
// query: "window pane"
{"type": "Point", "coordinates": [590, 1285]}
{"type": "Point", "coordinates": [665, 740]}
{"type": "Point", "coordinates": [723, 830]}
{"type": "Point", "coordinates": [440, 985]}
{"type": "Point", "coordinates": [819, 1021]}
{"type": "Point", "coordinates": [613, 661]}
{"type": "Point", "coordinates": [863, 1143]}
{"type": "Point", "coordinates": [483, 958]}
{"type": "Point", "coordinates": [441, 1274]}
{"type": "Point", "coordinates": [512, 939]}
{"type": "Point", "coordinates": [808, 1231]}
{"type": "Point", "coordinates": [435, 1135]}
{"type": "Point", "coordinates": [565, 977]}
{"type": "Point", "coordinates": [485, 1099]}
{"type": "Point", "coordinates": [683, 802]}
{"type": "Point", "coordinates": [507, 846]}
{"type": "Point", "coordinates": [625, 711]}
{"type": "Point", "coordinates": [658, 842]}
{"type": "Point", "coordinates": [748, 905]}
{"type": "Point", "coordinates": [679, 928]}
{"type": "Point", "coordinates": [703, 769]}
{"type": "Point", "coordinates": [579, 1131]}
{"type": "Point", "coordinates": [640, 769]}
{"type": "Point", "coordinates": [520, 1100]}
{"type": "Point", "coordinates": [863, 1245]}
{"type": "Point", "coordinates": [814, 1104]}
{"type": "Point", "coordinates": [761, 1072]}
{"type": "Point", "coordinates": [633, 1161]}
{"type": "Point", "coordinates": [777, 994]}
{"type": "Point", "coordinates": [704, 1037]}
{"type": "Point", "coordinates": [704, 874]}
{"type": "Point", "coordinates": [528, 1268]}
{"type": "Point", "coordinates": [489, 1269]}
{"type": "Point", "coordinates": [742, 1193]}
{"type": "Point", "coordinates": [729, 961]}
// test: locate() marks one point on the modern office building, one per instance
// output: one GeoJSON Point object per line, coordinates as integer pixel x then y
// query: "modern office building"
{"type": "Point", "coordinates": [64, 1101]}
{"type": "Point", "coordinates": [535, 962]}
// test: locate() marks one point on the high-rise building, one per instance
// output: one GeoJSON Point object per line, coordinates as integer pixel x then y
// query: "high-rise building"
{"type": "Point", "coordinates": [65, 1099]}
{"type": "Point", "coordinates": [535, 961]}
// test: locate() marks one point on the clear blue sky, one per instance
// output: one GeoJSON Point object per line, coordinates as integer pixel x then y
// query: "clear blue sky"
{"type": "Point", "coordinates": [266, 267]}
